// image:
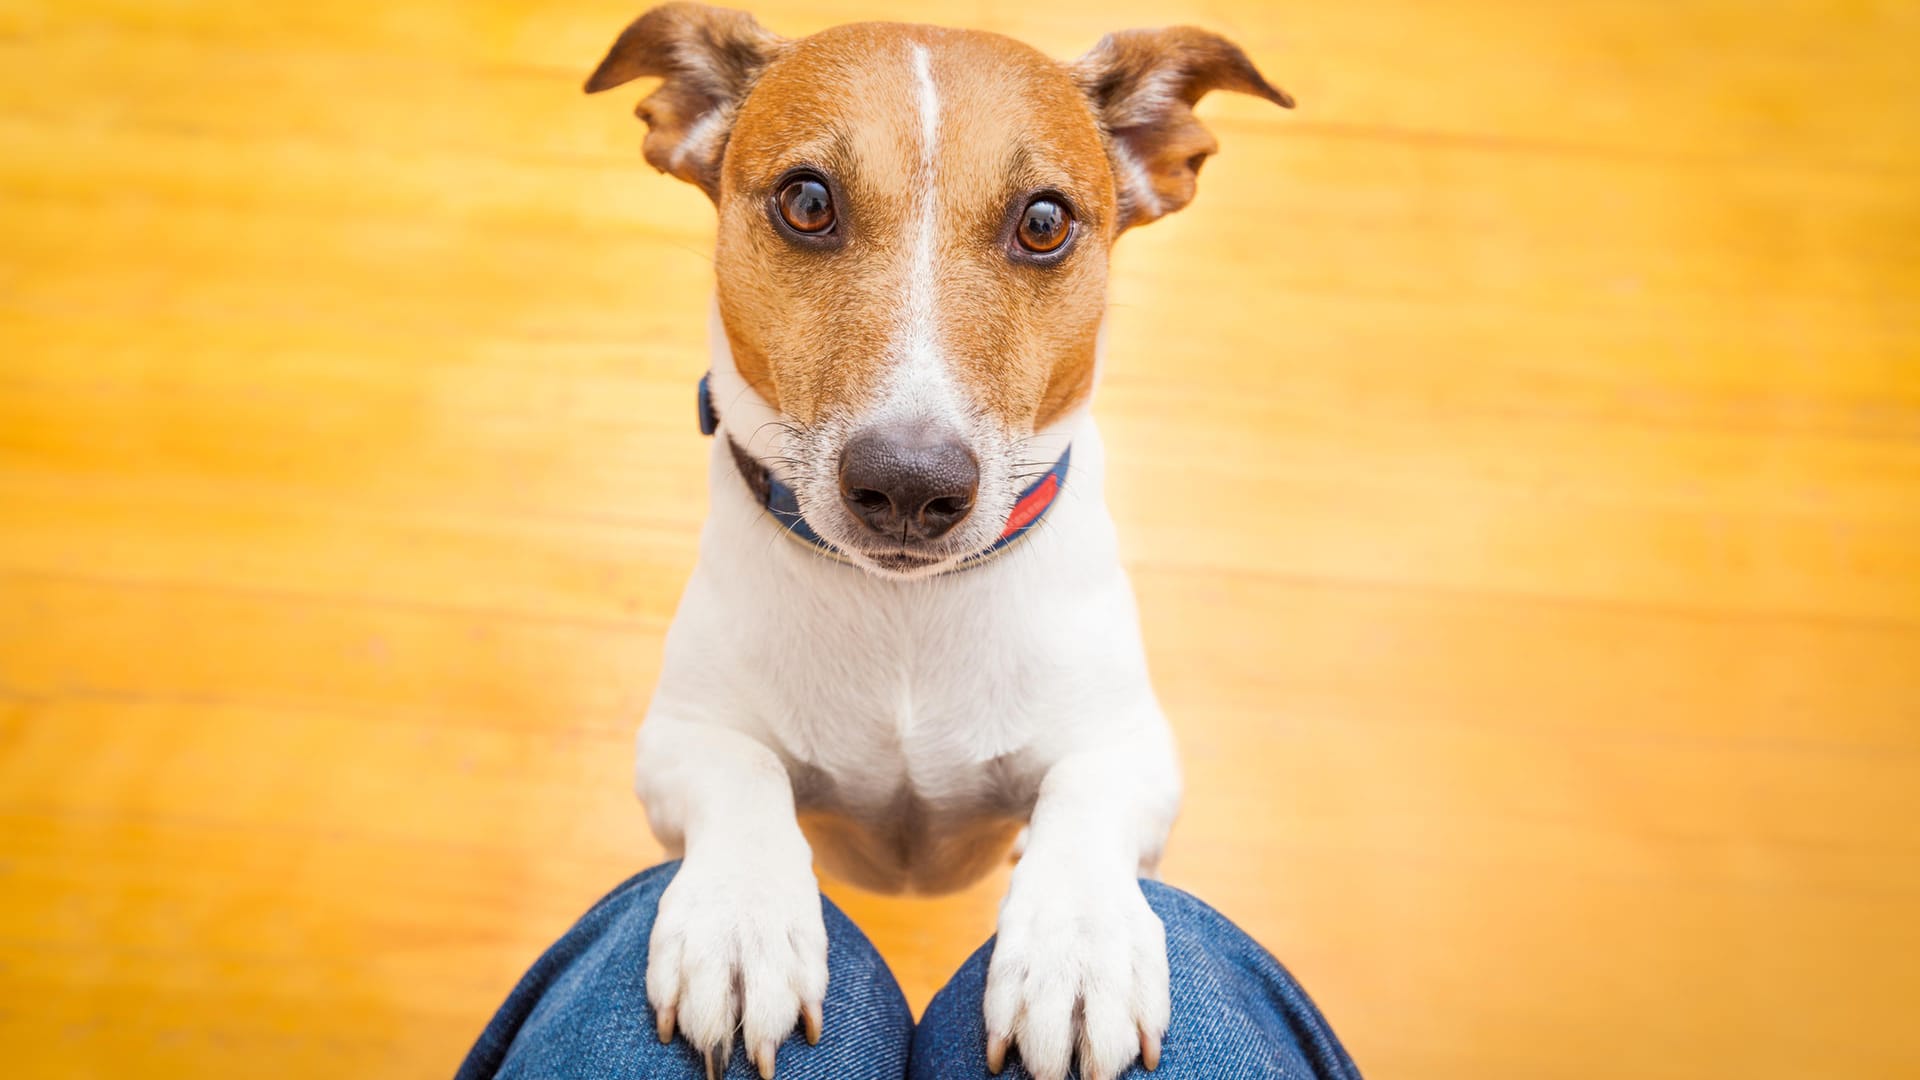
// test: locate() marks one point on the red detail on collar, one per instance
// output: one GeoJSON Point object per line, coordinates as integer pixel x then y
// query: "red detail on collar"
{"type": "Point", "coordinates": [1031, 507]}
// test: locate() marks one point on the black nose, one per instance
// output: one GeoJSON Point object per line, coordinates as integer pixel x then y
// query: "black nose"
{"type": "Point", "coordinates": [908, 483]}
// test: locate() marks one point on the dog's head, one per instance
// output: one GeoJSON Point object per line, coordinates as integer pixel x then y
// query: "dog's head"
{"type": "Point", "coordinates": [914, 226]}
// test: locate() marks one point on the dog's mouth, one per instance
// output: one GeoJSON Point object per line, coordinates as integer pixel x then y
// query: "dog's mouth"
{"type": "Point", "coordinates": [902, 561]}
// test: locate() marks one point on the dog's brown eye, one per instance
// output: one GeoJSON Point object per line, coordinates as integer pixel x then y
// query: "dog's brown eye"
{"type": "Point", "coordinates": [806, 205]}
{"type": "Point", "coordinates": [1044, 225]}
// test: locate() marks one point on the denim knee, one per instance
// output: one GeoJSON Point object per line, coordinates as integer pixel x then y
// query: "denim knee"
{"type": "Point", "coordinates": [582, 1012]}
{"type": "Point", "coordinates": [1237, 1013]}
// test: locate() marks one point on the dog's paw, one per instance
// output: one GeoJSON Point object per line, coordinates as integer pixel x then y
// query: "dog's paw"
{"type": "Point", "coordinates": [1079, 971]}
{"type": "Point", "coordinates": [738, 944]}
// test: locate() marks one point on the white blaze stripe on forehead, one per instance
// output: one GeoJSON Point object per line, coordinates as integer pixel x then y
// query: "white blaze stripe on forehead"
{"type": "Point", "coordinates": [929, 103]}
{"type": "Point", "coordinates": [919, 386]}
{"type": "Point", "coordinates": [922, 344]}
{"type": "Point", "coordinates": [920, 280]}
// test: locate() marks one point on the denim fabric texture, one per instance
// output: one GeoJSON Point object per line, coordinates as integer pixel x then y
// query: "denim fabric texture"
{"type": "Point", "coordinates": [582, 1012]}
{"type": "Point", "coordinates": [1237, 1014]}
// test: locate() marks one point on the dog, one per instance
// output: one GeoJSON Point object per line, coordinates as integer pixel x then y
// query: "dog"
{"type": "Point", "coordinates": [908, 640]}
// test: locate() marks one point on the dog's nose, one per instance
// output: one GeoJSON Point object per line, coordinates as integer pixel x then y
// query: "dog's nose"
{"type": "Point", "coordinates": [908, 482]}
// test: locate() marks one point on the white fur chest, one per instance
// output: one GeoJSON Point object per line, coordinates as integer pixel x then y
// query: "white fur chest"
{"type": "Point", "coordinates": [915, 718]}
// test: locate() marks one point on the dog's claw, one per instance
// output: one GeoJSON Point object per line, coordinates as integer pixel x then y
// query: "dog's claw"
{"type": "Point", "coordinates": [1149, 1050]}
{"type": "Point", "coordinates": [717, 1059]}
{"type": "Point", "coordinates": [996, 1054]}
{"type": "Point", "coordinates": [764, 1059]}
{"type": "Point", "coordinates": [663, 1024]}
{"type": "Point", "coordinates": [811, 1015]}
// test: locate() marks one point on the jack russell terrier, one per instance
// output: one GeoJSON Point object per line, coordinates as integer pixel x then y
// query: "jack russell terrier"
{"type": "Point", "coordinates": [909, 634]}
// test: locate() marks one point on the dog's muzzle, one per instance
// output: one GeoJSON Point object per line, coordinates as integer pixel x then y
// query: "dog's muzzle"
{"type": "Point", "coordinates": [907, 487]}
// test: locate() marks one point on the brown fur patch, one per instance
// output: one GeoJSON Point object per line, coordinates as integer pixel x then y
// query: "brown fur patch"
{"type": "Point", "coordinates": [1144, 84]}
{"type": "Point", "coordinates": [708, 59]}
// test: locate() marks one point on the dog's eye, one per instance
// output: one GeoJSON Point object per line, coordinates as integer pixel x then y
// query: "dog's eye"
{"type": "Point", "coordinates": [806, 205]}
{"type": "Point", "coordinates": [1044, 225]}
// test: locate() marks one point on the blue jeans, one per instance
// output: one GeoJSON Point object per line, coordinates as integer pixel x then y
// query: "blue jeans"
{"type": "Point", "coordinates": [581, 1012]}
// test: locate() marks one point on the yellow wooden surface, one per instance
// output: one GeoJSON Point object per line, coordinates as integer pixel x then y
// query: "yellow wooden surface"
{"type": "Point", "coordinates": [1517, 450]}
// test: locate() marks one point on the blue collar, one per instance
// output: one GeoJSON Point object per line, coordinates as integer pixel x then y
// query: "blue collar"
{"type": "Point", "coordinates": [784, 507]}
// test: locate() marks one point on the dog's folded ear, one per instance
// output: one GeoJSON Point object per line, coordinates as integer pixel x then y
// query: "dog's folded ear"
{"type": "Point", "coordinates": [708, 59]}
{"type": "Point", "coordinates": [1143, 85]}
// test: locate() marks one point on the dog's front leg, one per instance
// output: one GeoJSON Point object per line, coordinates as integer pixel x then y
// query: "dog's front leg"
{"type": "Point", "coordinates": [1080, 966]}
{"type": "Point", "coordinates": [739, 937]}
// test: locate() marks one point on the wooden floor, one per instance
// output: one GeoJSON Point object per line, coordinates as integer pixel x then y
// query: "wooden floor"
{"type": "Point", "coordinates": [1517, 450]}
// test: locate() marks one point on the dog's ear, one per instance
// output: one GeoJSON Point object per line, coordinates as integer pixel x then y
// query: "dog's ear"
{"type": "Point", "coordinates": [1143, 85]}
{"type": "Point", "coordinates": [708, 59]}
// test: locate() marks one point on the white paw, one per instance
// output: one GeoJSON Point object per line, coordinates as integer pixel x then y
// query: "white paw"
{"type": "Point", "coordinates": [1079, 971]}
{"type": "Point", "coordinates": [739, 944]}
